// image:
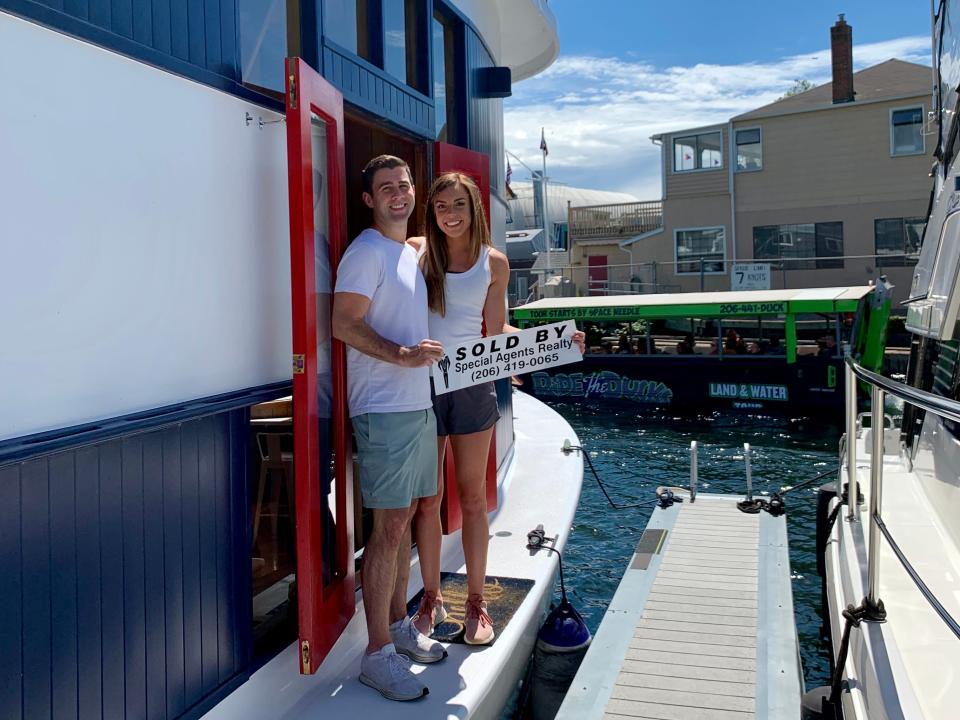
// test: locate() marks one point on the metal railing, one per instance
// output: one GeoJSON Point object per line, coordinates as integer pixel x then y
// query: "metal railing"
{"type": "Point", "coordinates": [614, 221]}
{"type": "Point", "coordinates": [690, 276]}
{"type": "Point", "coordinates": [880, 387]}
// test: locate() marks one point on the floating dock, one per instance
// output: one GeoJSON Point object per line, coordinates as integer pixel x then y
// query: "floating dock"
{"type": "Point", "coordinates": [701, 626]}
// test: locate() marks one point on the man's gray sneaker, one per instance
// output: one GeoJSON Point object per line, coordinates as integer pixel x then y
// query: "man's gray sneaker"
{"type": "Point", "coordinates": [415, 645]}
{"type": "Point", "coordinates": [389, 674]}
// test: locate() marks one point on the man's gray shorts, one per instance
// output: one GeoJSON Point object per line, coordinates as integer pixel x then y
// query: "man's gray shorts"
{"type": "Point", "coordinates": [398, 457]}
{"type": "Point", "coordinates": [465, 411]}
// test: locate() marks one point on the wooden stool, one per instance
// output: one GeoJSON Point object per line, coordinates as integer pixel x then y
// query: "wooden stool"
{"type": "Point", "coordinates": [273, 458]}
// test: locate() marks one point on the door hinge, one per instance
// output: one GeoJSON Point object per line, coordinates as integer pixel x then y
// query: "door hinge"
{"type": "Point", "coordinates": [305, 656]}
{"type": "Point", "coordinates": [299, 363]}
{"type": "Point", "coordinates": [292, 93]}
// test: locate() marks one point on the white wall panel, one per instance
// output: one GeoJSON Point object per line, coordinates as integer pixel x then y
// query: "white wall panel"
{"type": "Point", "coordinates": [144, 250]}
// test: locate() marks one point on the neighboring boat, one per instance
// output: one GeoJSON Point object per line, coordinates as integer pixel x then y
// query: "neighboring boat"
{"type": "Point", "coordinates": [892, 562]}
{"type": "Point", "coordinates": [778, 378]}
{"type": "Point", "coordinates": [176, 538]}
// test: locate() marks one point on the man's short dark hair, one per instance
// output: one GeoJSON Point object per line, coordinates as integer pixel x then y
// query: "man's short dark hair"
{"type": "Point", "coordinates": [382, 162]}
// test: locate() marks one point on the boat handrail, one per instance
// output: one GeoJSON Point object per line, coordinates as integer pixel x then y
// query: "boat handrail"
{"type": "Point", "coordinates": [941, 406]}
{"type": "Point", "coordinates": [937, 404]}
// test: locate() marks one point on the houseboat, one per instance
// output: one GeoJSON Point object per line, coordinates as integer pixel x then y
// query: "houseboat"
{"type": "Point", "coordinates": [792, 365]}
{"type": "Point", "coordinates": [179, 530]}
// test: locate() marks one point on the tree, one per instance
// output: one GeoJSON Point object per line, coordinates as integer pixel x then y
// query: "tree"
{"type": "Point", "coordinates": [799, 86]}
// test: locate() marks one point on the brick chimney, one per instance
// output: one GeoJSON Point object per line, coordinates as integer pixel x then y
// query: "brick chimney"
{"type": "Point", "coordinates": [841, 51]}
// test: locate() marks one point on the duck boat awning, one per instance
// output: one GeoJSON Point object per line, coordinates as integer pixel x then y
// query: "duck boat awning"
{"type": "Point", "coordinates": [627, 308]}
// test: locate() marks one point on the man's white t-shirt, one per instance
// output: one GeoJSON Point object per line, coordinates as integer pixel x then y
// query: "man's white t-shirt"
{"type": "Point", "coordinates": [386, 272]}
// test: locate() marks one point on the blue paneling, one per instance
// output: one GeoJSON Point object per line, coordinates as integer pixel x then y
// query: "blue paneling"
{"type": "Point", "coordinates": [126, 567]}
{"type": "Point", "coordinates": [89, 644]}
{"type": "Point", "coordinates": [134, 615]}
{"type": "Point", "coordinates": [195, 38]}
{"type": "Point", "coordinates": [63, 574]}
{"type": "Point", "coordinates": [373, 90]}
{"type": "Point", "coordinates": [111, 577]}
{"type": "Point", "coordinates": [173, 572]}
{"type": "Point", "coordinates": [154, 576]}
{"type": "Point", "coordinates": [35, 548]}
{"type": "Point", "coordinates": [11, 617]}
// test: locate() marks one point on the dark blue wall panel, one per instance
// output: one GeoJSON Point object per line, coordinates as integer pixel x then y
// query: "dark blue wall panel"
{"type": "Point", "coordinates": [126, 574]}
{"type": "Point", "coordinates": [195, 38]}
{"type": "Point", "coordinates": [373, 90]}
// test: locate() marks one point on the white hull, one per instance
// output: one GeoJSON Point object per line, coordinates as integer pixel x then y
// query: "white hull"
{"type": "Point", "coordinates": [539, 485]}
{"type": "Point", "coordinates": [909, 666]}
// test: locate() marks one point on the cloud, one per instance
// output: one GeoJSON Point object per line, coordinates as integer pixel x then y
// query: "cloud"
{"type": "Point", "coordinates": [599, 113]}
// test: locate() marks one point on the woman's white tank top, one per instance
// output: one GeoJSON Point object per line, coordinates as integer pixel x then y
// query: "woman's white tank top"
{"type": "Point", "coordinates": [465, 295]}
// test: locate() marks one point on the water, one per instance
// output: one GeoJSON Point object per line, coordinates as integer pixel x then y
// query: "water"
{"type": "Point", "coordinates": [635, 454]}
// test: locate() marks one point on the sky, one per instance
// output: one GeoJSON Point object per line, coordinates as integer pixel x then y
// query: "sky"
{"type": "Point", "coordinates": [629, 69]}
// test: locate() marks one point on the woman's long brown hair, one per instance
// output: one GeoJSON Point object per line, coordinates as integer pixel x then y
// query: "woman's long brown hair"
{"type": "Point", "coordinates": [436, 256]}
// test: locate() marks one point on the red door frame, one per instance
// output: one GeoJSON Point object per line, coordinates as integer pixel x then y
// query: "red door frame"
{"type": "Point", "coordinates": [449, 158]}
{"type": "Point", "coordinates": [323, 611]}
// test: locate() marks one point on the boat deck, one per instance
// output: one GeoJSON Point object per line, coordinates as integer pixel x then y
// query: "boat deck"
{"type": "Point", "coordinates": [701, 626]}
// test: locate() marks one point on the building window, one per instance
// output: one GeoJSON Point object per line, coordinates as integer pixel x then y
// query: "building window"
{"type": "Point", "coordinates": [445, 53]}
{"type": "Point", "coordinates": [749, 150]}
{"type": "Point", "coordinates": [800, 246]}
{"type": "Point", "coordinates": [696, 246]}
{"type": "Point", "coordinates": [898, 240]}
{"type": "Point", "coordinates": [346, 22]}
{"type": "Point", "coordinates": [263, 43]}
{"type": "Point", "coordinates": [697, 152]}
{"type": "Point", "coordinates": [906, 131]}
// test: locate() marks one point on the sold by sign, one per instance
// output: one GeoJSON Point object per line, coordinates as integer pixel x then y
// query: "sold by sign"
{"type": "Point", "coordinates": [491, 358]}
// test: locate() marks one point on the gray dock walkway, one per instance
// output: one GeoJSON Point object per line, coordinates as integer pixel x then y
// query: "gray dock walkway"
{"type": "Point", "coordinates": [701, 626]}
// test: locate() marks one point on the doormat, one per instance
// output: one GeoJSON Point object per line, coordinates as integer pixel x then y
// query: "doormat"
{"type": "Point", "coordinates": [503, 596]}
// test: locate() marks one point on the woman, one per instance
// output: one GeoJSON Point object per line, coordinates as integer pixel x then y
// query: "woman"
{"type": "Point", "coordinates": [466, 286]}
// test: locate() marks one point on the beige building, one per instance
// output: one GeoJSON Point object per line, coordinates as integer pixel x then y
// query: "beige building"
{"type": "Point", "coordinates": [828, 187]}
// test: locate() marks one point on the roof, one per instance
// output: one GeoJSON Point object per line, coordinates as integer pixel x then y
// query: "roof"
{"type": "Point", "coordinates": [521, 207]}
{"type": "Point", "coordinates": [705, 304]}
{"type": "Point", "coordinates": [885, 81]}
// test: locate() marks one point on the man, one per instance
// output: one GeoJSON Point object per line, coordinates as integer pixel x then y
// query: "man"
{"type": "Point", "coordinates": [380, 312]}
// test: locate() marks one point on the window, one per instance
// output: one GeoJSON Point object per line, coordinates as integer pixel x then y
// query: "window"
{"type": "Point", "coordinates": [749, 150]}
{"type": "Point", "coordinates": [697, 152]}
{"type": "Point", "coordinates": [263, 43]}
{"type": "Point", "coordinates": [906, 131]}
{"type": "Point", "coordinates": [390, 34]}
{"type": "Point", "coordinates": [898, 240]}
{"type": "Point", "coordinates": [345, 22]}
{"type": "Point", "coordinates": [801, 246]}
{"type": "Point", "coordinates": [700, 244]}
{"type": "Point", "coordinates": [445, 53]}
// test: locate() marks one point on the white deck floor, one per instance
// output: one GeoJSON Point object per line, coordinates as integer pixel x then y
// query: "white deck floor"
{"type": "Point", "coordinates": [701, 627]}
{"type": "Point", "coordinates": [542, 485]}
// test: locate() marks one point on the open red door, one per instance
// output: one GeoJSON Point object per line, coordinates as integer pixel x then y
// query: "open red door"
{"type": "Point", "coordinates": [449, 158]}
{"type": "Point", "coordinates": [322, 442]}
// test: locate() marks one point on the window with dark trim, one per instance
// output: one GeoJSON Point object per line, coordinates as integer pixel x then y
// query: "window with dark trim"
{"type": "Point", "coordinates": [391, 34]}
{"type": "Point", "coordinates": [906, 131]}
{"type": "Point", "coordinates": [262, 35]}
{"type": "Point", "coordinates": [800, 246]}
{"type": "Point", "coordinates": [700, 248]}
{"type": "Point", "coordinates": [697, 152]}
{"type": "Point", "coordinates": [897, 240]}
{"type": "Point", "coordinates": [749, 150]}
{"type": "Point", "coordinates": [446, 85]}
